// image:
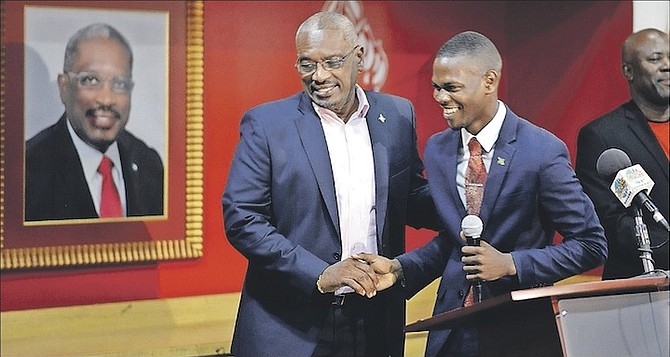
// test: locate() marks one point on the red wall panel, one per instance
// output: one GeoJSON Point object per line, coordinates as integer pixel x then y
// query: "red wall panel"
{"type": "Point", "coordinates": [561, 69]}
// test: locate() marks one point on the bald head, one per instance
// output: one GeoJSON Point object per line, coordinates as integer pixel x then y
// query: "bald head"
{"type": "Point", "coordinates": [329, 21]}
{"type": "Point", "coordinates": [476, 47]}
{"type": "Point", "coordinates": [646, 66]}
{"type": "Point", "coordinates": [634, 42]}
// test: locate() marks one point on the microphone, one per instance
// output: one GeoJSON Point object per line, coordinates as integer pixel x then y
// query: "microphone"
{"type": "Point", "coordinates": [472, 228]}
{"type": "Point", "coordinates": [630, 184]}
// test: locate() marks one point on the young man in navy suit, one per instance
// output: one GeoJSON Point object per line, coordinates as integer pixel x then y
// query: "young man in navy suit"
{"type": "Point", "coordinates": [320, 175]}
{"type": "Point", "coordinates": [529, 193]}
{"type": "Point", "coordinates": [639, 128]}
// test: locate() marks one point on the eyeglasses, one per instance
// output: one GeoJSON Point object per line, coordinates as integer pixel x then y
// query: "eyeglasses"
{"type": "Point", "coordinates": [92, 80]}
{"type": "Point", "coordinates": [306, 67]}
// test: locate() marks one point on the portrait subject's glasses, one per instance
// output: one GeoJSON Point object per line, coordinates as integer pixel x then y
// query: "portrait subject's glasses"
{"type": "Point", "coordinates": [92, 80]}
{"type": "Point", "coordinates": [306, 67]}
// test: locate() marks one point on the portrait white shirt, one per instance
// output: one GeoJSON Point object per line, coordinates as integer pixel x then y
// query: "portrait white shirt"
{"type": "Point", "coordinates": [350, 151]}
{"type": "Point", "coordinates": [487, 138]}
{"type": "Point", "coordinates": [89, 158]}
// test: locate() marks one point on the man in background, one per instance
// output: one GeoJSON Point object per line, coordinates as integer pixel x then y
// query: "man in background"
{"type": "Point", "coordinates": [639, 128]}
{"type": "Point", "coordinates": [87, 165]}
{"type": "Point", "coordinates": [514, 176]}
{"type": "Point", "coordinates": [328, 172]}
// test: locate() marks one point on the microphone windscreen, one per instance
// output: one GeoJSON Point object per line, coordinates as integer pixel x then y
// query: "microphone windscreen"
{"type": "Point", "coordinates": [472, 226]}
{"type": "Point", "coordinates": [610, 162]}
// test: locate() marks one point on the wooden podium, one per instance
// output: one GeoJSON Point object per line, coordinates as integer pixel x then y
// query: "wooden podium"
{"type": "Point", "coordinates": [626, 317]}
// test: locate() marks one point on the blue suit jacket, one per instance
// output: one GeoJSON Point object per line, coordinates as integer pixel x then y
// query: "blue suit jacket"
{"type": "Point", "coordinates": [531, 191]}
{"type": "Point", "coordinates": [280, 212]}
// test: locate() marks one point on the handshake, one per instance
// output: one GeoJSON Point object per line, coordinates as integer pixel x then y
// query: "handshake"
{"type": "Point", "coordinates": [363, 272]}
{"type": "Point", "coordinates": [368, 273]}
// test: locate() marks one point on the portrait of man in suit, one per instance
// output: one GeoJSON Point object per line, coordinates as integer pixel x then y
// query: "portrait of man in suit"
{"type": "Point", "coordinates": [87, 164]}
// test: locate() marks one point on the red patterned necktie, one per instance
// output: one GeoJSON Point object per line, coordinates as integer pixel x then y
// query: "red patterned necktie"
{"type": "Point", "coordinates": [475, 178]}
{"type": "Point", "coordinates": [110, 203]}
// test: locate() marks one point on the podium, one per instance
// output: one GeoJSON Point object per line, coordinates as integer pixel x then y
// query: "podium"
{"type": "Point", "coordinates": [625, 317]}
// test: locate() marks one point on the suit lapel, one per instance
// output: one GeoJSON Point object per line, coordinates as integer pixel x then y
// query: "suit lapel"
{"type": "Point", "coordinates": [637, 124]}
{"type": "Point", "coordinates": [500, 162]}
{"type": "Point", "coordinates": [314, 142]}
{"type": "Point", "coordinates": [72, 184]}
{"type": "Point", "coordinates": [379, 137]}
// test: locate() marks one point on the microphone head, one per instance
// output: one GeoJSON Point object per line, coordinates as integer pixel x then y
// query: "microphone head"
{"type": "Point", "coordinates": [610, 162]}
{"type": "Point", "coordinates": [472, 226]}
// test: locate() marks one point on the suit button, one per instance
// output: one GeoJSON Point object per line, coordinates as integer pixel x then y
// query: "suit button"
{"type": "Point", "coordinates": [460, 293]}
{"type": "Point", "coordinates": [337, 256]}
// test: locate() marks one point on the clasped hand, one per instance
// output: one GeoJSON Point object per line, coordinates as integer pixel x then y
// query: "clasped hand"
{"type": "Point", "coordinates": [365, 273]}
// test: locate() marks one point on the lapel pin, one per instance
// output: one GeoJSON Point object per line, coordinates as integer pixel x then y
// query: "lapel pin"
{"type": "Point", "coordinates": [501, 161]}
{"type": "Point", "coordinates": [381, 118]}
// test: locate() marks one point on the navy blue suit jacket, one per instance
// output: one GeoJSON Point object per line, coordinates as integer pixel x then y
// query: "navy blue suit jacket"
{"type": "Point", "coordinates": [531, 191]}
{"type": "Point", "coordinates": [627, 129]}
{"type": "Point", "coordinates": [280, 212]}
{"type": "Point", "coordinates": [57, 189]}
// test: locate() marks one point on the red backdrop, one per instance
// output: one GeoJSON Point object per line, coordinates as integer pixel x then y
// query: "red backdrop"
{"type": "Point", "coordinates": [561, 69]}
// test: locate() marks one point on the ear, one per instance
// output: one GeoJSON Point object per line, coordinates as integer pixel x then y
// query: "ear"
{"type": "Point", "coordinates": [491, 81]}
{"type": "Point", "coordinates": [627, 71]}
{"type": "Point", "coordinates": [360, 56]}
{"type": "Point", "coordinates": [63, 82]}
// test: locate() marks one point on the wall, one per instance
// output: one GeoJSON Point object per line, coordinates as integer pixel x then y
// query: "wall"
{"type": "Point", "coordinates": [561, 69]}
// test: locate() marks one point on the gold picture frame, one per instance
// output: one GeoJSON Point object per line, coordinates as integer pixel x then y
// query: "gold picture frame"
{"type": "Point", "coordinates": [178, 233]}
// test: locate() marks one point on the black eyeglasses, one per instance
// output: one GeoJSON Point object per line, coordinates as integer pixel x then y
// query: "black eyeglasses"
{"type": "Point", "coordinates": [306, 67]}
{"type": "Point", "coordinates": [92, 80]}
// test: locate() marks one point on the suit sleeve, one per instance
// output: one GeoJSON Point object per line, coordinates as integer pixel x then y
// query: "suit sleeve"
{"type": "Point", "coordinates": [565, 208]}
{"type": "Point", "coordinates": [421, 212]}
{"type": "Point", "coordinates": [248, 215]}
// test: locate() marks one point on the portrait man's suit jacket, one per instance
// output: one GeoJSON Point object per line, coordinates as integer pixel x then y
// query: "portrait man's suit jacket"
{"type": "Point", "coordinates": [627, 129]}
{"type": "Point", "coordinates": [56, 187]}
{"type": "Point", "coordinates": [280, 212]}
{"type": "Point", "coordinates": [531, 191]}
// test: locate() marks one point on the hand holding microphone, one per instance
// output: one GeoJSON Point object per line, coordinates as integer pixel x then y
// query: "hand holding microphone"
{"type": "Point", "coordinates": [481, 261]}
{"type": "Point", "coordinates": [472, 227]}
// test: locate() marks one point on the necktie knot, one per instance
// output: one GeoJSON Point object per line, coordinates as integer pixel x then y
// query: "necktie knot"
{"type": "Point", "coordinates": [105, 167]}
{"type": "Point", "coordinates": [475, 147]}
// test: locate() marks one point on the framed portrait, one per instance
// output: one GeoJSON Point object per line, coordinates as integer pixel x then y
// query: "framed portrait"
{"type": "Point", "coordinates": [68, 98]}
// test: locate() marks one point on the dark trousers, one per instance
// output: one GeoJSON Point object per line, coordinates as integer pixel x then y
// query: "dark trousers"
{"type": "Point", "coordinates": [462, 342]}
{"type": "Point", "coordinates": [355, 328]}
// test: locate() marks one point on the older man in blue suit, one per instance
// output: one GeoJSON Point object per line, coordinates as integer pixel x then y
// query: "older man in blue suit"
{"type": "Point", "coordinates": [317, 176]}
{"type": "Point", "coordinates": [530, 192]}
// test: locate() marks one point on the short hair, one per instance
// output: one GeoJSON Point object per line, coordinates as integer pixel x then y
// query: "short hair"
{"type": "Point", "coordinates": [90, 32]}
{"type": "Point", "coordinates": [472, 44]}
{"type": "Point", "coordinates": [329, 20]}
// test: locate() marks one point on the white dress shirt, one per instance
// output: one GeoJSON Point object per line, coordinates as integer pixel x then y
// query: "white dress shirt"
{"type": "Point", "coordinates": [487, 138]}
{"type": "Point", "coordinates": [89, 158]}
{"type": "Point", "coordinates": [350, 151]}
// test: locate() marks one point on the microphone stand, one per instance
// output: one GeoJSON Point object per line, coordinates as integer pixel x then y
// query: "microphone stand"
{"type": "Point", "coordinates": [643, 242]}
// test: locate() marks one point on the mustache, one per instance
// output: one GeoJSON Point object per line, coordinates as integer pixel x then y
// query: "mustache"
{"type": "Point", "coordinates": [104, 108]}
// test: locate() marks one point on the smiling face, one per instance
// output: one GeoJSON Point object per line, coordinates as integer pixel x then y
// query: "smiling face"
{"type": "Point", "coordinates": [466, 93]}
{"type": "Point", "coordinates": [647, 67]}
{"type": "Point", "coordinates": [334, 89]}
{"type": "Point", "coordinates": [97, 113]}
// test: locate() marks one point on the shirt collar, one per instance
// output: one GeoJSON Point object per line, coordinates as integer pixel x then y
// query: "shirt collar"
{"type": "Point", "coordinates": [489, 134]}
{"type": "Point", "coordinates": [361, 111]}
{"type": "Point", "coordinates": [89, 156]}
